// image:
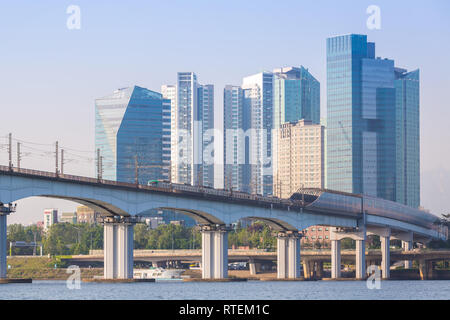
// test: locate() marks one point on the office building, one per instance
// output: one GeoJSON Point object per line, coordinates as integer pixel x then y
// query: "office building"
{"type": "Point", "coordinates": [258, 118]}
{"type": "Point", "coordinates": [361, 118]}
{"type": "Point", "coordinates": [133, 134]}
{"type": "Point", "coordinates": [407, 85]}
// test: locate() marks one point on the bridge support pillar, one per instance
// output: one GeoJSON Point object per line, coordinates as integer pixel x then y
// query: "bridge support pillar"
{"type": "Point", "coordinates": [254, 267]}
{"type": "Point", "coordinates": [385, 238]}
{"type": "Point", "coordinates": [214, 252]}
{"type": "Point", "coordinates": [357, 234]}
{"type": "Point", "coordinates": [319, 269]}
{"type": "Point", "coordinates": [118, 247]}
{"type": "Point", "coordinates": [288, 255]}
{"type": "Point", "coordinates": [426, 270]}
{"type": "Point", "coordinates": [5, 210]}
{"type": "Point", "coordinates": [407, 239]}
{"type": "Point", "coordinates": [407, 246]}
{"type": "Point", "coordinates": [3, 265]}
{"type": "Point", "coordinates": [335, 259]}
{"type": "Point", "coordinates": [360, 259]}
{"type": "Point", "coordinates": [385, 257]}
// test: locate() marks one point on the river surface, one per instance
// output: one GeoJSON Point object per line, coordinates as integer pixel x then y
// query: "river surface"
{"type": "Point", "coordinates": [251, 290]}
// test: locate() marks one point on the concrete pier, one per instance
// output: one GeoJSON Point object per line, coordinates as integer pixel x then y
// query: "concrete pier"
{"type": "Point", "coordinates": [288, 255]}
{"type": "Point", "coordinates": [385, 257]}
{"type": "Point", "coordinates": [118, 248]}
{"type": "Point", "coordinates": [357, 234]}
{"type": "Point", "coordinates": [385, 238]}
{"type": "Point", "coordinates": [335, 259]}
{"type": "Point", "coordinates": [3, 249]}
{"type": "Point", "coordinates": [407, 246]}
{"type": "Point", "coordinates": [360, 259]}
{"type": "Point", "coordinates": [214, 252]}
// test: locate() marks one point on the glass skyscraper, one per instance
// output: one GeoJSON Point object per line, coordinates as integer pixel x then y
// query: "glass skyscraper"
{"type": "Point", "coordinates": [206, 116]}
{"type": "Point", "coordinates": [234, 140]}
{"type": "Point", "coordinates": [132, 131]}
{"type": "Point", "coordinates": [296, 96]}
{"type": "Point", "coordinates": [361, 118]}
{"type": "Point", "coordinates": [407, 86]}
{"type": "Point", "coordinates": [192, 125]}
{"type": "Point", "coordinates": [258, 117]}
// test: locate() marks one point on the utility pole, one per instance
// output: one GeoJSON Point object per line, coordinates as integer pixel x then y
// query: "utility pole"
{"type": "Point", "coordinates": [56, 159]}
{"type": "Point", "coordinates": [18, 155]}
{"type": "Point", "coordinates": [62, 161]}
{"type": "Point", "coordinates": [34, 247]}
{"type": "Point", "coordinates": [10, 151]}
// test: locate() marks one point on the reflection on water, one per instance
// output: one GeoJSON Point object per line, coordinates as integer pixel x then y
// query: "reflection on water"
{"type": "Point", "coordinates": [251, 290]}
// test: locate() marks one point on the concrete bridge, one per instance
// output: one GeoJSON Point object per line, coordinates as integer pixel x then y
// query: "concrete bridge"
{"type": "Point", "coordinates": [351, 216]}
{"type": "Point", "coordinates": [311, 260]}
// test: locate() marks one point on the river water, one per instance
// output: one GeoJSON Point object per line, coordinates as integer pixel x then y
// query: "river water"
{"type": "Point", "coordinates": [251, 290]}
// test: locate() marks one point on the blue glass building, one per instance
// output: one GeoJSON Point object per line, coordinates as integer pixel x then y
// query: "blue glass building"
{"type": "Point", "coordinates": [361, 113]}
{"type": "Point", "coordinates": [132, 131]}
{"type": "Point", "coordinates": [296, 96]}
{"type": "Point", "coordinates": [407, 86]}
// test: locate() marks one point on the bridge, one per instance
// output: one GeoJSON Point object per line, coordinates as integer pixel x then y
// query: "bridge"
{"type": "Point", "coordinates": [349, 215]}
{"type": "Point", "coordinates": [312, 260]}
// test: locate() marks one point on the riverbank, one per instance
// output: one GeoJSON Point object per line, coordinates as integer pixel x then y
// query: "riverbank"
{"type": "Point", "coordinates": [43, 268]}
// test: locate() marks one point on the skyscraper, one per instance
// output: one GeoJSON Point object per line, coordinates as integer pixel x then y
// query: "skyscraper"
{"type": "Point", "coordinates": [206, 116]}
{"type": "Point", "coordinates": [296, 96]}
{"type": "Point", "coordinates": [407, 86]}
{"type": "Point", "coordinates": [132, 132]}
{"type": "Point", "coordinates": [192, 125]}
{"type": "Point", "coordinates": [170, 92]}
{"type": "Point", "coordinates": [234, 139]}
{"type": "Point", "coordinates": [300, 157]}
{"type": "Point", "coordinates": [258, 106]}
{"type": "Point", "coordinates": [361, 118]}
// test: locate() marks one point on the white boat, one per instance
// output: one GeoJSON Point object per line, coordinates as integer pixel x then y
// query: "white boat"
{"type": "Point", "coordinates": [158, 274]}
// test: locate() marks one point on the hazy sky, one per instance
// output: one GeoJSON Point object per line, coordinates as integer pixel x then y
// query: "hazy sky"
{"type": "Point", "coordinates": [50, 75]}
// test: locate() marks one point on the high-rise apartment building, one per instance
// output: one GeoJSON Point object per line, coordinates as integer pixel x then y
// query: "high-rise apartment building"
{"type": "Point", "coordinates": [133, 134]}
{"type": "Point", "coordinates": [234, 139]}
{"type": "Point", "coordinates": [192, 130]}
{"type": "Point", "coordinates": [258, 109]}
{"type": "Point", "coordinates": [296, 96]}
{"type": "Point", "coordinates": [300, 156]}
{"type": "Point", "coordinates": [361, 118]}
{"type": "Point", "coordinates": [206, 116]}
{"type": "Point", "coordinates": [407, 85]}
{"type": "Point", "coordinates": [170, 92]}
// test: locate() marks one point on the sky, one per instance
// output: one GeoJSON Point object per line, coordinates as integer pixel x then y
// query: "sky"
{"type": "Point", "coordinates": [50, 75]}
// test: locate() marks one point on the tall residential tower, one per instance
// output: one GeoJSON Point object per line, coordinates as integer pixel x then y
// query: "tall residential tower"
{"type": "Point", "coordinates": [407, 87]}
